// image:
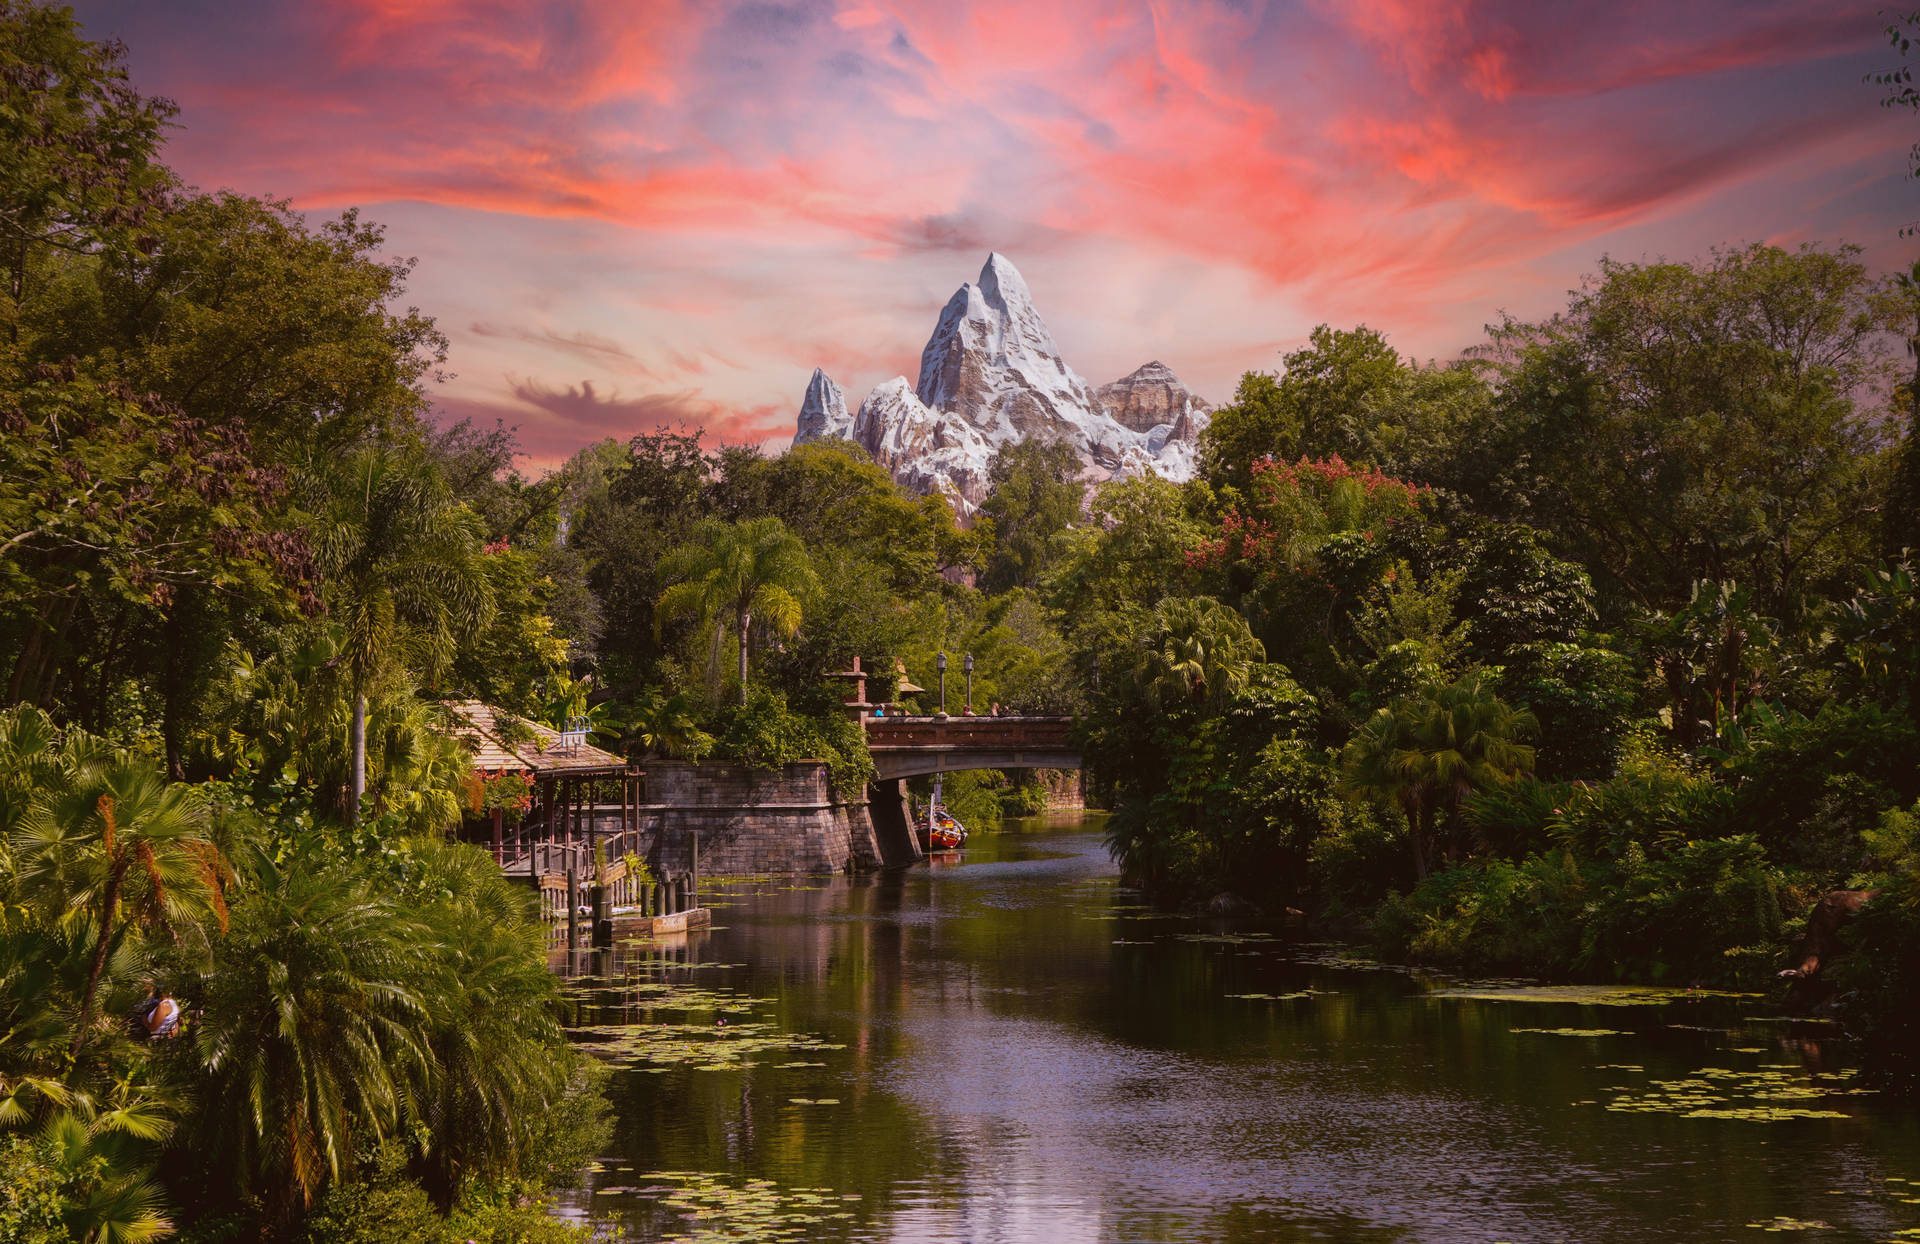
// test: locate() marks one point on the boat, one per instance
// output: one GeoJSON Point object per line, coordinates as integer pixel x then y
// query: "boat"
{"type": "Point", "coordinates": [940, 831]}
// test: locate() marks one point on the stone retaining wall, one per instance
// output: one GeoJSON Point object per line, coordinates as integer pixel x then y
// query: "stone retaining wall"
{"type": "Point", "coordinates": [755, 820]}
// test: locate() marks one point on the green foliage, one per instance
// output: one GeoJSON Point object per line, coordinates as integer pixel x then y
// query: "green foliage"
{"type": "Point", "coordinates": [1583, 699]}
{"type": "Point", "coordinates": [1879, 979]}
{"type": "Point", "coordinates": [729, 574]}
{"type": "Point", "coordinates": [1033, 497]}
{"type": "Point", "coordinates": [1703, 913]}
{"type": "Point", "coordinates": [1811, 789]}
{"type": "Point", "coordinates": [1735, 376]}
{"type": "Point", "coordinates": [60, 1184]}
{"type": "Point", "coordinates": [1347, 394]}
{"type": "Point", "coordinates": [381, 1206]}
{"type": "Point", "coordinates": [1429, 752]}
{"type": "Point", "coordinates": [764, 733]}
{"type": "Point", "coordinates": [972, 796]}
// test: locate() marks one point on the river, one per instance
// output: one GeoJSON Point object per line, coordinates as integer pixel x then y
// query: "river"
{"type": "Point", "coordinates": [1007, 1047]}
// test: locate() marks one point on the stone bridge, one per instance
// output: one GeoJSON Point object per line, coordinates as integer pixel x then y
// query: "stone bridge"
{"type": "Point", "coordinates": [905, 747]}
{"type": "Point", "coordinates": [916, 746]}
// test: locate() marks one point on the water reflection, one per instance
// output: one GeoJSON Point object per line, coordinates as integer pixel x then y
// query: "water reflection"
{"type": "Point", "coordinates": [1027, 1055]}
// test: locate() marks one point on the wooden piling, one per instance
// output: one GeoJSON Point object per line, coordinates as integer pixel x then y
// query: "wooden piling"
{"type": "Point", "coordinates": [573, 910]}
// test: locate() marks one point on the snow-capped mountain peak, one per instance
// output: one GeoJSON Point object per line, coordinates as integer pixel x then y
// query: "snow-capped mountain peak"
{"type": "Point", "coordinates": [991, 374]}
{"type": "Point", "coordinates": [823, 412]}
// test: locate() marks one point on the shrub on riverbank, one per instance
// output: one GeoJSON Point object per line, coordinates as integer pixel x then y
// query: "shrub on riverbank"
{"type": "Point", "coordinates": [1879, 977]}
{"type": "Point", "coordinates": [766, 734]}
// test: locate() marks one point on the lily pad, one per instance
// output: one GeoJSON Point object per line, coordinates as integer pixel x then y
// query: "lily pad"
{"type": "Point", "coordinates": [1583, 995]}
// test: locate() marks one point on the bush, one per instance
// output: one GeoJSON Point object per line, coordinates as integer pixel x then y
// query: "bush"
{"type": "Point", "coordinates": [1809, 788]}
{"type": "Point", "coordinates": [1582, 697]}
{"type": "Point", "coordinates": [1514, 819]}
{"type": "Point", "coordinates": [1656, 800]}
{"type": "Point", "coordinates": [34, 1193]}
{"type": "Point", "coordinates": [1879, 976]}
{"type": "Point", "coordinates": [1705, 913]}
{"type": "Point", "coordinates": [1357, 861]}
{"type": "Point", "coordinates": [765, 734]}
{"type": "Point", "coordinates": [1024, 795]}
{"type": "Point", "coordinates": [1491, 915]}
{"type": "Point", "coordinates": [382, 1207]}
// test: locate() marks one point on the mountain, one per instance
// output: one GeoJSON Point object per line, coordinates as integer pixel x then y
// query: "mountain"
{"type": "Point", "coordinates": [991, 374]}
{"type": "Point", "coordinates": [1149, 397]}
{"type": "Point", "coordinates": [823, 412]}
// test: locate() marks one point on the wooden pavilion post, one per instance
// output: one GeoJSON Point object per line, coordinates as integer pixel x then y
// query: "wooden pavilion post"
{"type": "Point", "coordinates": [593, 827]}
{"type": "Point", "coordinates": [550, 811]}
{"type": "Point", "coordinates": [499, 837]}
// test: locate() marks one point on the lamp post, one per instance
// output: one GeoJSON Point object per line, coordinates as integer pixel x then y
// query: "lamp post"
{"type": "Point", "coordinates": [969, 664]}
{"type": "Point", "coordinates": [940, 663]}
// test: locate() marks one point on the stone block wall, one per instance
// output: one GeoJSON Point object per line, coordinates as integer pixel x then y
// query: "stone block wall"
{"type": "Point", "coordinates": [1066, 791]}
{"type": "Point", "coordinates": [755, 820]}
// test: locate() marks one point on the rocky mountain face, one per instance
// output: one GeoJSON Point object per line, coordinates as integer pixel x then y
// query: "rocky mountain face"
{"type": "Point", "coordinates": [823, 412]}
{"type": "Point", "coordinates": [991, 375]}
{"type": "Point", "coordinates": [1149, 397]}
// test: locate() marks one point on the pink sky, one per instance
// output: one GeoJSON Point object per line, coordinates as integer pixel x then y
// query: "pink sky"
{"type": "Point", "coordinates": [632, 215]}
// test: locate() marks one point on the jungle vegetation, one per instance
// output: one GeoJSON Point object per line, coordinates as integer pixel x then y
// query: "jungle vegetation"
{"type": "Point", "coordinates": [1592, 654]}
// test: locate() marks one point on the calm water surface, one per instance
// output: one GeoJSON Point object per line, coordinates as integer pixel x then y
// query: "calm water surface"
{"type": "Point", "coordinates": [1025, 1054]}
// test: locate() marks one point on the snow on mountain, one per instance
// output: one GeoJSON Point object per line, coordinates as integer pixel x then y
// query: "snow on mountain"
{"type": "Point", "coordinates": [925, 450]}
{"type": "Point", "coordinates": [991, 375]}
{"type": "Point", "coordinates": [823, 412]}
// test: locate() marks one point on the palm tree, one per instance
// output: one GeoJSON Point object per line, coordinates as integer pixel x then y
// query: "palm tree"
{"type": "Point", "coordinates": [314, 1038]}
{"type": "Point", "coordinates": [402, 560]}
{"type": "Point", "coordinates": [733, 572]}
{"type": "Point", "coordinates": [1430, 751]}
{"type": "Point", "coordinates": [497, 1044]}
{"type": "Point", "coordinates": [109, 842]}
{"type": "Point", "coordinates": [1197, 650]}
{"type": "Point", "coordinates": [109, 1197]}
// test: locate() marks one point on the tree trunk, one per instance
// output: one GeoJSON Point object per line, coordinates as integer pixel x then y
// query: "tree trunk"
{"type": "Point", "coordinates": [746, 624]}
{"type": "Point", "coordinates": [56, 653]}
{"type": "Point", "coordinates": [1419, 846]}
{"type": "Point", "coordinates": [26, 666]}
{"type": "Point", "coordinates": [108, 902]}
{"type": "Point", "coordinates": [358, 782]}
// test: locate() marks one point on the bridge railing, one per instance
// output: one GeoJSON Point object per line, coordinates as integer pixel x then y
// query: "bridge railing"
{"type": "Point", "coordinates": [968, 732]}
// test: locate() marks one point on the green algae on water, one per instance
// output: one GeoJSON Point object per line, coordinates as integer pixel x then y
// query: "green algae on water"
{"type": "Point", "coordinates": [729, 1208]}
{"type": "Point", "coordinates": [1755, 1095]}
{"type": "Point", "coordinates": [1583, 995]}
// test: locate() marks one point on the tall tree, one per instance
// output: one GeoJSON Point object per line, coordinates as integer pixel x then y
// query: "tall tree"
{"type": "Point", "coordinates": [1682, 422]}
{"type": "Point", "coordinates": [1196, 651]}
{"type": "Point", "coordinates": [1346, 394]}
{"type": "Point", "coordinates": [82, 170]}
{"type": "Point", "coordinates": [1035, 494]}
{"type": "Point", "coordinates": [729, 573]}
{"type": "Point", "coordinates": [315, 1036]}
{"type": "Point", "coordinates": [402, 564]}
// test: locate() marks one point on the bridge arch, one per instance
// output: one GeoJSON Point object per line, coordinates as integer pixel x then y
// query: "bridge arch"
{"type": "Point", "coordinates": [905, 747]}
